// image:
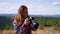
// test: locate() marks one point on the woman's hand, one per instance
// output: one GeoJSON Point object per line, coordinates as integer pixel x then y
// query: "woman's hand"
{"type": "Point", "coordinates": [26, 22]}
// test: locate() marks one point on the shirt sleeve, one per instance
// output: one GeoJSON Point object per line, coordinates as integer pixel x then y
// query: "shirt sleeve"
{"type": "Point", "coordinates": [15, 24]}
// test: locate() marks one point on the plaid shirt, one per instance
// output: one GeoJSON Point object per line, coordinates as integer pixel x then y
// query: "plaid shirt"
{"type": "Point", "coordinates": [22, 29]}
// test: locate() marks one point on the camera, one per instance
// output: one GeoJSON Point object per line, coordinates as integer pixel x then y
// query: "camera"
{"type": "Point", "coordinates": [33, 22]}
{"type": "Point", "coordinates": [31, 19]}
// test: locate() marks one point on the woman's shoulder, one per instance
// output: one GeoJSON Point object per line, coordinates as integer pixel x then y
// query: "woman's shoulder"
{"type": "Point", "coordinates": [14, 19]}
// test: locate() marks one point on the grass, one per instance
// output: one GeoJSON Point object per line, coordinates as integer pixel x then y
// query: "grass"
{"type": "Point", "coordinates": [46, 30]}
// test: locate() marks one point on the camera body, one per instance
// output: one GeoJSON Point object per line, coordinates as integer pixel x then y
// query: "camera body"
{"type": "Point", "coordinates": [33, 22]}
{"type": "Point", "coordinates": [31, 19]}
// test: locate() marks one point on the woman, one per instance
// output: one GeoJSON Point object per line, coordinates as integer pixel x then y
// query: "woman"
{"type": "Point", "coordinates": [22, 22]}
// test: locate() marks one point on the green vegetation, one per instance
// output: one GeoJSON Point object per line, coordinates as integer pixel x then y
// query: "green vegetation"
{"type": "Point", "coordinates": [48, 21]}
{"type": "Point", "coordinates": [6, 22]}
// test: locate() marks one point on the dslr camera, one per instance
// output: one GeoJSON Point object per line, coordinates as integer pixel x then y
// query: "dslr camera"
{"type": "Point", "coordinates": [33, 22]}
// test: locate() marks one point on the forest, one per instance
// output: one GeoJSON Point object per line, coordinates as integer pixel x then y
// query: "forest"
{"type": "Point", "coordinates": [6, 22]}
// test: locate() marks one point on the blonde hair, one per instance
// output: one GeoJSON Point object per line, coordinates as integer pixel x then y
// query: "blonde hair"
{"type": "Point", "coordinates": [18, 17]}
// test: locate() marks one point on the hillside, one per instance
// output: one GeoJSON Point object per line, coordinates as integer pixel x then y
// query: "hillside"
{"type": "Point", "coordinates": [6, 22]}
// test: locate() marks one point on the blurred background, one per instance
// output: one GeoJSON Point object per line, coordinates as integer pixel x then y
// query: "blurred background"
{"type": "Point", "coordinates": [46, 13]}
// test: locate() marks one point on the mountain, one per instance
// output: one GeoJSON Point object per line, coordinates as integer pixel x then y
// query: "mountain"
{"type": "Point", "coordinates": [8, 15]}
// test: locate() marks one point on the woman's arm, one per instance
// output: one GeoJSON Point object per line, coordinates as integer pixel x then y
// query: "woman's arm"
{"type": "Point", "coordinates": [15, 24]}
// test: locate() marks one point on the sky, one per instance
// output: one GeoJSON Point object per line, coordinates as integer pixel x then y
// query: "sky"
{"type": "Point", "coordinates": [35, 7]}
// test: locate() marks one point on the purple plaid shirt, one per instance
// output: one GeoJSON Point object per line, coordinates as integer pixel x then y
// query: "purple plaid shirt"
{"type": "Point", "coordinates": [22, 29]}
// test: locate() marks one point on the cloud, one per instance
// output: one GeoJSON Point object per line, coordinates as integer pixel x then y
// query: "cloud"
{"type": "Point", "coordinates": [42, 10]}
{"type": "Point", "coordinates": [32, 0]}
{"type": "Point", "coordinates": [8, 11]}
{"type": "Point", "coordinates": [56, 3]}
{"type": "Point", "coordinates": [37, 9]}
{"type": "Point", "coordinates": [3, 4]}
{"type": "Point", "coordinates": [33, 8]}
{"type": "Point", "coordinates": [37, 0]}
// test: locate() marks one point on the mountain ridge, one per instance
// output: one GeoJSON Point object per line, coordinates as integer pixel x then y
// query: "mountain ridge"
{"type": "Point", "coordinates": [31, 15]}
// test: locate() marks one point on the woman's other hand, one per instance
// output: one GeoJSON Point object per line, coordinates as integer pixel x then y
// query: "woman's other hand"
{"type": "Point", "coordinates": [27, 21]}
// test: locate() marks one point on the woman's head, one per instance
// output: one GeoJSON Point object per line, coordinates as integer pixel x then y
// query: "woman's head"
{"type": "Point", "coordinates": [23, 11]}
